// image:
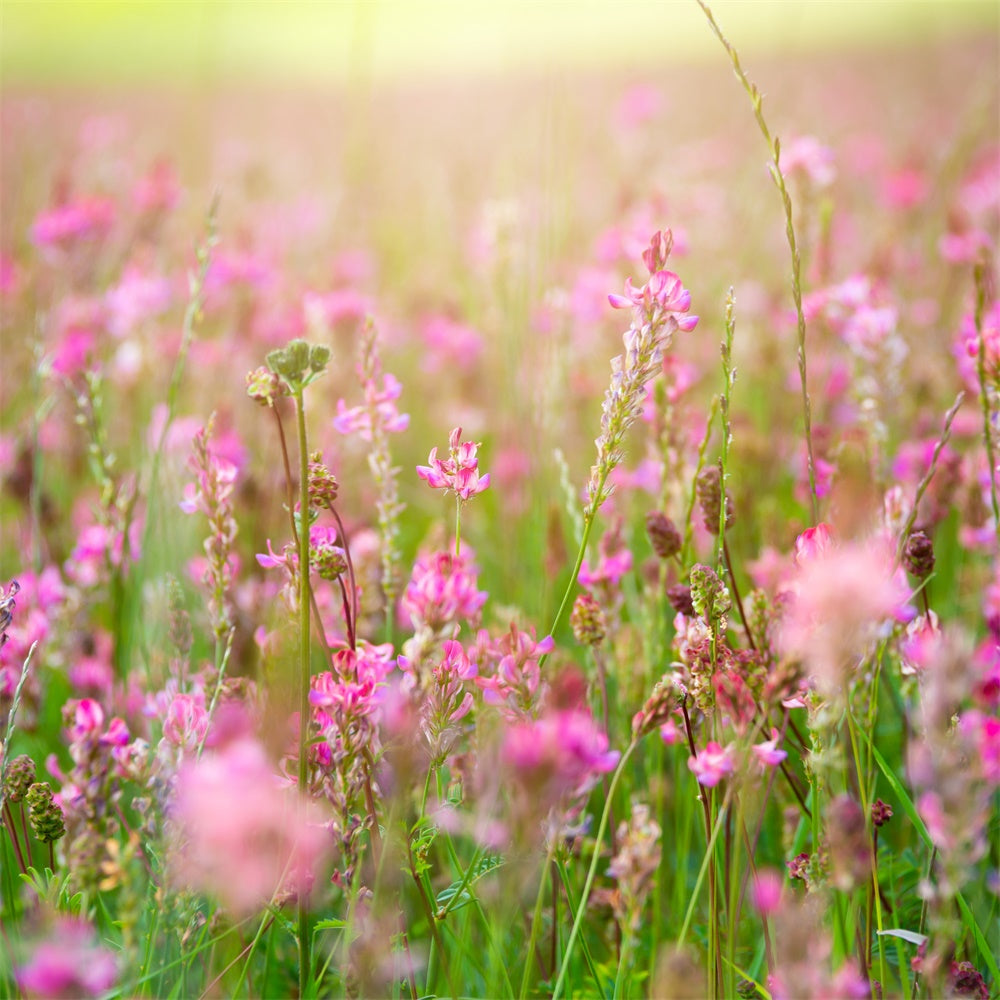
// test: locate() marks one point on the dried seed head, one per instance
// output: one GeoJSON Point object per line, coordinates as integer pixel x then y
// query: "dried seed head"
{"type": "Point", "coordinates": [587, 620]}
{"type": "Point", "coordinates": [18, 778]}
{"type": "Point", "coordinates": [918, 556]}
{"type": "Point", "coordinates": [663, 534]}
{"type": "Point", "coordinates": [45, 815]}
{"type": "Point", "coordinates": [708, 489]}
{"type": "Point", "coordinates": [323, 486]}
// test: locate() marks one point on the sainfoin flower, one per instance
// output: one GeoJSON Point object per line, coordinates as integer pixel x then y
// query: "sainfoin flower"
{"type": "Point", "coordinates": [68, 963]}
{"type": "Point", "coordinates": [241, 837]}
{"type": "Point", "coordinates": [842, 598]}
{"type": "Point", "coordinates": [458, 473]}
{"type": "Point", "coordinates": [711, 765]}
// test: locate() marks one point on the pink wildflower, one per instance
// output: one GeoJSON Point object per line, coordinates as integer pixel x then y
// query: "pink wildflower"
{"type": "Point", "coordinates": [380, 402]}
{"type": "Point", "coordinates": [239, 833]}
{"type": "Point", "coordinates": [806, 156]}
{"type": "Point", "coordinates": [562, 753]}
{"type": "Point", "coordinates": [841, 600]}
{"type": "Point", "coordinates": [712, 764]}
{"type": "Point", "coordinates": [87, 218]}
{"type": "Point", "coordinates": [442, 590]}
{"type": "Point", "coordinates": [459, 472]}
{"type": "Point", "coordinates": [68, 963]}
{"type": "Point", "coordinates": [767, 753]}
{"type": "Point", "coordinates": [767, 885]}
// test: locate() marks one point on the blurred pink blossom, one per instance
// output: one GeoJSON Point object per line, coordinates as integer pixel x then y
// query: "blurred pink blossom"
{"type": "Point", "coordinates": [639, 104]}
{"type": "Point", "coordinates": [712, 764]}
{"type": "Point", "coordinates": [241, 837]}
{"type": "Point", "coordinates": [806, 156]}
{"type": "Point", "coordinates": [88, 218]}
{"type": "Point", "coordinates": [69, 962]}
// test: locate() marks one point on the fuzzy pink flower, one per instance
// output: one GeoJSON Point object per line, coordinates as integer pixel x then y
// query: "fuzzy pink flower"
{"type": "Point", "coordinates": [68, 963]}
{"type": "Point", "coordinates": [767, 753]}
{"type": "Point", "coordinates": [241, 836]}
{"type": "Point", "coordinates": [841, 600]}
{"type": "Point", "coordinates": [562, 753]}
{"type": "Point", "coordinates": [806, 156]}
{"type": "Point", "coordinates": [712, 764]}
{"type": "Point", "coordinates": [87, 218]}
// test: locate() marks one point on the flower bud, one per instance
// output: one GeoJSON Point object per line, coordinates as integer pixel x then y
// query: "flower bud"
{"type": "Point", "coordinates": [18, 778]}
{"type": "Point", "coordinates": [45, 815]}
{"type": "Point", "coordinates": [679, 596]}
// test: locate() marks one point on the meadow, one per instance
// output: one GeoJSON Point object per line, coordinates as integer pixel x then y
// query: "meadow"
{"type": "Point", "coordinates": [505, 536]}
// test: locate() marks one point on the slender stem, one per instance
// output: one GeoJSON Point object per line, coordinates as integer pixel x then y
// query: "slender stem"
{"type": "Point", "coordinates": [352, 624]}
{"type": "Point", "coordinates": [980, 276]}
{"type": "Point", "coordinates": [304, 671]}
{"type": "Point", "coordinates": [592, 872]}
{"type": "Point", "coordinates": [774, 146]}
{"type": "Point", "coordinates": [736, 591]}
{"type": "Point", "coordinates": [458, 525]}
{"type": "Point", "coordinates": [536, 922]}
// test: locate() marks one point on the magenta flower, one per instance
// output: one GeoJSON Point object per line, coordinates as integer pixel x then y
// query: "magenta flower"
{"type": "Point", "coordinates": [458, 473]}
{"type": "Point", "coordinates": [378, 402]}
{"type": "Point", "coordinates": [711, 765]}
{"type": "Point", "coordinates": [69, 963]}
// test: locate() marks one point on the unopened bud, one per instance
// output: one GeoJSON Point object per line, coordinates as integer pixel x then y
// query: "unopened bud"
{"type": "Point", "coordinates": [708, 489]}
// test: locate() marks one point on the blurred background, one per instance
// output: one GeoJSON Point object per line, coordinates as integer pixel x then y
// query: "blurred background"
{"type": "Point", "coordinates": [89, 42]}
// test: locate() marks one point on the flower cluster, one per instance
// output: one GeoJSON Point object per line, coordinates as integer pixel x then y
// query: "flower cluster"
{"type": "Point", "coordinates": [459, 473]}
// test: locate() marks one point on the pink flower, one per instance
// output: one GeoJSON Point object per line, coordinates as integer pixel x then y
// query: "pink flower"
{"type": "Point", "coordinates": [767, 887]}
{"type": "Point", "coordinates": [442, 590]}
{"type": "Point", "coordinates": [381, 403]}
{"type": "Point", "coordinates": [85, 219]}
{"type": "Point", "coordinates": [240, 834]}
{"type": "Point", "coordinates": [187, 721]}
{"type": "Point", "coordinates": [808, 157]}
{"type": "Point", "coordinates": [841, 600]}
{"type": "Point", "coordinates": [711, 765]}
{"type": "Point", "coordinates": [68, 963]}
{"type": "Point", "coordinates": [459, 472]}
{"type": "Point", "coordinates": [767, 753]}
{"type": "Point", "coordinates": [639, 104]}
{"type": "Point", "coordinates": [665, 292]}
{"type": "Point", "coordinates": [562, 753]}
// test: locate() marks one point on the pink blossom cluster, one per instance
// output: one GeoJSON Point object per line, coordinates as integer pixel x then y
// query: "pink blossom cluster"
{"type": "Point", "coordinates": [86, 218]}
{"type": "Point", "coordinates": [443, 590]}
{"type": "Point", "coordinates": [68, 962]}
{"type": "Point", "coordinates": [239, 835]}
{"type": "Point", "coordinates": [515, 682]}
{"type": "Point", "coordinates": [459, 473]}
{"type": "Point", "coordinates": [379, 407]}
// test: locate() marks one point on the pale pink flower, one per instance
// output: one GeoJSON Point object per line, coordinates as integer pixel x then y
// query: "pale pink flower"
{"type": "Point", "coordinates": [138, 296]}
{"type": "Point", "coordinates": [767, 753]}
{"type": "Point", "coordinates": [712, 764]}
{"type": "Point", "coordinates": [841, 600]}
{"type": "Point", "coordinates": [241, 837]}
{"type": "Point", "coordinates": [381, 402]}
{"type": "Point", "coordinates": [450, 344]}
{"type": "Point", "coordinates": [639, 104]}
{"type": "Point", "coordinates": [806, 156]}
{"type": "Point", "coordinates": [813, 543]}
{"type": "Point", "coordinates": [459, 472]}
{"type": "Point", "coordinates": [68, 963]}
{"type": "Point", "coordinates": [186, 723]}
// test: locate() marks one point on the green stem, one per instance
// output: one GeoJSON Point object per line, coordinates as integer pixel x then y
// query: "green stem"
{"type": "Point", "coordinates": [980, 276]}
{"type": "Point", "coordinates": [536, 923]}
{"type": "Point", "coordinates": [592, 873]}
{"type": "Point", "coordinates": [774, 147]}
{"type": "Point", "coordinates": [304, 670]}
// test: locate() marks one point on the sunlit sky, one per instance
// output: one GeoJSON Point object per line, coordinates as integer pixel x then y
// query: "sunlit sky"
{"type": "Point", "coordinates": [188, 42]}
